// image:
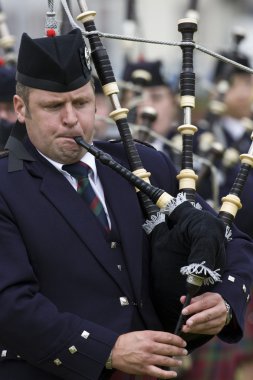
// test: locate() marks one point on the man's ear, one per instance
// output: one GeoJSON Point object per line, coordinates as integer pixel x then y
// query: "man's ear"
{"type": "Point", "coordinates": [20, 108]}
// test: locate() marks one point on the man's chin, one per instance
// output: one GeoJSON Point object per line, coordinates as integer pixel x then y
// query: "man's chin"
{"type": "Point", "coordinates": [73, 155]}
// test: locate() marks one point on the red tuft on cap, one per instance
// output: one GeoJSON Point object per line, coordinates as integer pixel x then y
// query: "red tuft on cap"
{"type": "Point", "coordinates": [2, 61]}
{"type": "Point", "coordinates": [51, 33]}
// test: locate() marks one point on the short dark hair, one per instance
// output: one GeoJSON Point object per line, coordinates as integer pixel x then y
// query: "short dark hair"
{"type": "Point", "coordinates": [24, 93]}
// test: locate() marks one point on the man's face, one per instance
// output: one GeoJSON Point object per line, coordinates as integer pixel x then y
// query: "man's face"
{"type": "Point", "coordinates": [239, 97]}
{"type": "Point", "coordinates": [53, 119]}
{"type": "Point", "coordinates": [161, 99]}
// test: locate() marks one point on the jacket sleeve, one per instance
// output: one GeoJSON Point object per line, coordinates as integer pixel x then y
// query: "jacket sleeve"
{"type": "Point", "coordinates": [236, 280]}
{"type": "Point", "coordinates": [236, 283]}
{"type": "Point", "coordinates": [66, 345]}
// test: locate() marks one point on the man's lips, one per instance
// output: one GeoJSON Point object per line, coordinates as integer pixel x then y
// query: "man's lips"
{"type": "Point", "coordinates": [68, 137]}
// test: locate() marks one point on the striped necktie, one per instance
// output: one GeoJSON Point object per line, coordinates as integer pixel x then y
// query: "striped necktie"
{"type": "Point", "coordinates": [80, 171]}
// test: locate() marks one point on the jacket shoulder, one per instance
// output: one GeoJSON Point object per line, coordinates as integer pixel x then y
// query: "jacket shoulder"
{"type": "Point", "coordinates": [118, 141]}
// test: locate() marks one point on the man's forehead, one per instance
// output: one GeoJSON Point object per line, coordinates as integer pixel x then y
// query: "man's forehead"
{"type": "Point", "coordinates": [50, 95]}
{"type": "Point", "coordinates": [156, 90]}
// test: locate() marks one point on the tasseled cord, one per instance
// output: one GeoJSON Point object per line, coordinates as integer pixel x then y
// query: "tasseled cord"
{"type": "Point", "coordinates": [51, 24]}
{"type": "Point", "coordinates": [149, 225]}
{"type": "Point", "coordinates": [201, 269]}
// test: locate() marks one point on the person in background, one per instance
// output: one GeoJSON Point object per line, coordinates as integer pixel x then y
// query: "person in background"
{"type": "Point", "coordinates": [156, 94]}
{"type": "Point", "coordinates": [7, 113]}
{"type": "Point", "coordinates": [229, 124]}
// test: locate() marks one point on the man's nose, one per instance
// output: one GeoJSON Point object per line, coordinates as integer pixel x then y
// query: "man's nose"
{"type": "Point", "coordinates": [69, 115]}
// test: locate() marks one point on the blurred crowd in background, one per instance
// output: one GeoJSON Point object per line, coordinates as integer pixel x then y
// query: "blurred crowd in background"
{"type": "Point", "coordinates": [148, 79]}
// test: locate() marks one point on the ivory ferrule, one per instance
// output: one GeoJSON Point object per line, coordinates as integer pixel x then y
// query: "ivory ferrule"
{"type": "Point", "coordinates": [231, 204]}
{"type": "Point", "coordinates": [121, 113]}
{"type": "Point", "coordinates": [187, 129]}
{"type": "Point", "coordinates": [187, 179]}
{"type": "Point", "coordinates": [246, 159]}
{"type": "Point", "coordinates": [110, 88]}
{"type": "Point", "coordinates": [164, 200]}
{"type": "Point", "coordinates": [187, 19]}
{"type": "Point", "coordinates": [143, 174]}
{"type": "Point", "coordinates": [187, 101]}
{"type": "Point", "coordinates": [86, 16]}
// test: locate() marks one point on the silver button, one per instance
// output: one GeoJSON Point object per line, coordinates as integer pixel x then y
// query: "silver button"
{"type": "Point", "coordinates": [3, 353]}
{"type": "Point", "coordinates": [123, 301]}
{"type": "Point", "coordinates": [248, 298]}
{"type": "Point", "coordinates": [119, 267]}
{"type": "Point", "coordinates": [113, 244]}
{"type": "Point", "coordinates": [57, 362]}
{"type": "Point", "coordinates": [244, 288]}
{"type": "Point", "coordinates": [85, 334]}
{"type": "Point", "coordinates": [72, 349]}
{"type": "Point", "coordinates": [231, 278]}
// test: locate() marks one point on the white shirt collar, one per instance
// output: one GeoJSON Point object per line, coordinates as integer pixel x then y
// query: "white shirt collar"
{"type": "Point", "coordinates": [88, 159]}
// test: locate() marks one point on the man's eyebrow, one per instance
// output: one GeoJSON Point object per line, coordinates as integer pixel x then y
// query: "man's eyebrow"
{"type": "Point", "coordinates": [51, 100]}
{"type": "Point", "coordinates": [59, 100]}
{"type": "Point", "coordinates": [48, 102]}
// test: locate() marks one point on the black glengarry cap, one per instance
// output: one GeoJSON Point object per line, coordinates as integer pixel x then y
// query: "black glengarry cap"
{"type": "Point", "coordinates": [153, 68]}
{"type": "Point", "coordinates": [57, 64]}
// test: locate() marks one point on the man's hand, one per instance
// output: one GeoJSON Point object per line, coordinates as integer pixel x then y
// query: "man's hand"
{"type": "Point", "coordinates": [207, 313]}
{"type": "Point", "coordinates": [145, 352]}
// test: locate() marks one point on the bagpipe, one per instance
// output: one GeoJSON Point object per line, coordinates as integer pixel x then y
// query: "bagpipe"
{"type": "Point", "coordinates": [7, 41]}
{"type": "Point", "coordinates": [185, 240]}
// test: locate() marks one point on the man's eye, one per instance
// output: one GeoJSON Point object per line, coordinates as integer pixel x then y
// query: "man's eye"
{"type": "Point", "coordinates": [52, 106]}
{"type": "Point", "coordinates": [55, 105]}
{"type": "Point", "coordinates": [80, 103]}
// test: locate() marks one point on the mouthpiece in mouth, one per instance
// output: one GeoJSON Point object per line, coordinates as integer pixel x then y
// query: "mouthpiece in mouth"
{"type": "Point", "coordinates": [80, 141]}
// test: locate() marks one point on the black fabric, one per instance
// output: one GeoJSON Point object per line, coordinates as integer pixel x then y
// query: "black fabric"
{"type": "Point", "coordinates": [53, 63]}
{"type": "Point", "coordinates": [186, 228]}
{"type": "Point", "coordinates": [9, 369]}
{"type": "Point", "coordinates": [5, 130]}
{"type": "Point", "coordinates": [17, 152]}
{"type": "Point", "coordinates": [203, 232]}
